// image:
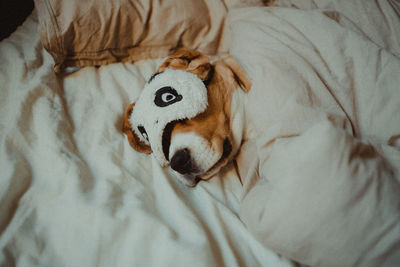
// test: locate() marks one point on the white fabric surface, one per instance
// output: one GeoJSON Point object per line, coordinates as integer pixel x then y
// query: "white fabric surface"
{"type": "Point", "coordinates": [325, 108]}
{"type": "Point", "coordinates": [74, 193]}
{"type": "Point", "coordinates": [325, 86]}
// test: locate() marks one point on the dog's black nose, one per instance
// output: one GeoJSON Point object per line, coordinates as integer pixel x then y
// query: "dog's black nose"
{"type": "Point", "coordinates": [181, 161]}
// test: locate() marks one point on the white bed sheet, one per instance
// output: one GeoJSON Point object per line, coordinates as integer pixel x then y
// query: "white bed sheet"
{"type": "Point", "coordinates": [74, 193]}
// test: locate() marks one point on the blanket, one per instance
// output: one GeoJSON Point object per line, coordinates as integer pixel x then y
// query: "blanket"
{"type": "Point", "coordinates": [324, 186]}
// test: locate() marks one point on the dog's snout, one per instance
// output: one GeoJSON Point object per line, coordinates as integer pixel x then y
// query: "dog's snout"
{"type": "Point", "coordinates": [182, 162]}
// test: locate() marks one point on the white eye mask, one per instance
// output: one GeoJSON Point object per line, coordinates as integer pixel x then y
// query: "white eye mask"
{"type": "Point", "coordinates": [170, 96]}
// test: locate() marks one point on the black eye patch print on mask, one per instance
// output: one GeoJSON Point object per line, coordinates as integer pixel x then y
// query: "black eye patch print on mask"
{"type": "Point", "coordinates": [143, 133]}
{"type": "Point", "coordinates": [166, 96]}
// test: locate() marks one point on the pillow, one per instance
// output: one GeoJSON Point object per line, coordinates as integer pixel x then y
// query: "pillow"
{"type": "Point", "coordinates": [327, 200]}
{"type": "Point", "coordinates": [97, 32]}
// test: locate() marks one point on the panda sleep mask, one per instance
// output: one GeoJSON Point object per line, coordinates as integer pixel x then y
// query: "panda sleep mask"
{"type": "Point", "coordinates": [168, 97]}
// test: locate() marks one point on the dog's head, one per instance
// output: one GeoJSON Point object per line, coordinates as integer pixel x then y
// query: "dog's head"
{"type": "Point", "coordinates": [186, 115]}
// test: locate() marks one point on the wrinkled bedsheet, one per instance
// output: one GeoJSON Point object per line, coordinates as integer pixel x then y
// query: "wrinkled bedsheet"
{"type": "Point", "coordinates": [74, 193]}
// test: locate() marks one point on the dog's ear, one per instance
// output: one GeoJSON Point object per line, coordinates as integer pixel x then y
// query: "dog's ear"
{"type": "Point", "coordinates": [239, 74]}
{"type": "Point", "coordinates": [190, 61]}
{"type": "Point", "coordinates": [133, 139]}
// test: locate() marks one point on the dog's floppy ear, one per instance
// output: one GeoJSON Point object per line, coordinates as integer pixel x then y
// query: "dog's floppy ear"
{"type": "Point", "coordinates": [239, 74]}
{"type": "Point", "coordinates": [190, 61]}
{"type": "Point", "coordinates": [133, 139]}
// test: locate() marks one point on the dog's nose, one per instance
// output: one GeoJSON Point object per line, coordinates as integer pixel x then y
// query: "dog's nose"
{"type": "Point", "coordinates": [181, 161]}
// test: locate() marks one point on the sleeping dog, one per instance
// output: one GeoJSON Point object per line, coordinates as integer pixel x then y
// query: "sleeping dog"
{"type": "Point", "coordinates": [190, 115]}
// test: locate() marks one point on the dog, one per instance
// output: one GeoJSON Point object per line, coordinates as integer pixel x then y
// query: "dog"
{"type": "Point", "coordinates": [190, 114]}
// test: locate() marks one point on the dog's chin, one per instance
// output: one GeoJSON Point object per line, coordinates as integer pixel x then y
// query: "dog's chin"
{"type": "Point", "coordinates": [191, 180]}
{"type": "Point", "coordinates": [188, 180]}
{"type": "Point", "coordinates": [213, 171]}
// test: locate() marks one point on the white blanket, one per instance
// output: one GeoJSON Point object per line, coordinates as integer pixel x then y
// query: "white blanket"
{"type": "Point", "coordinates": [325, 106]}
{"type": "Point", "coordinates": [74, 193]}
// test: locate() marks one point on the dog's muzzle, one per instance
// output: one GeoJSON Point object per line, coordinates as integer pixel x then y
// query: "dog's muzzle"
{"type": "Point", "coordinates": [192, 165]}
{"type": "Point", "coordinates": [182, 162]}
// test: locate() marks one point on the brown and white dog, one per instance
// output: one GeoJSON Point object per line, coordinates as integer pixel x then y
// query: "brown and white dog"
{"type": "Point", "coordinates": [190, 114]}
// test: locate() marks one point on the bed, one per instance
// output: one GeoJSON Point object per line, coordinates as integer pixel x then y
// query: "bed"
{"type": "Point", "coordinates": [317, 181]}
